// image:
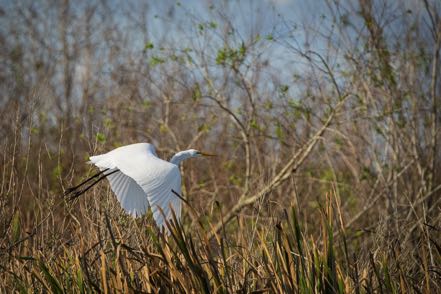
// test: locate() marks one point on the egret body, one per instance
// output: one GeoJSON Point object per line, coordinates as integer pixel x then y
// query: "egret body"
{"type": "Point", "coordinates": [141, 180]}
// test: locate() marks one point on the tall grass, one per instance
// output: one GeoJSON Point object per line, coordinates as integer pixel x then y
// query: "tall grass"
{"type": "Point", "coordinates": [108, 255]}
{"type": "Point", "coordinates": [326, 122]}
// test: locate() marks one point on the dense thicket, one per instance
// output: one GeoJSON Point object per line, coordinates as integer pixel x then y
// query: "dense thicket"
{"type": "Point", "coordinates": [331, 108]}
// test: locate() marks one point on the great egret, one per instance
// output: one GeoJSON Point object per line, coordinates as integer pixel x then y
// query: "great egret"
{"type": "Point", "coordinates": [140, 179]}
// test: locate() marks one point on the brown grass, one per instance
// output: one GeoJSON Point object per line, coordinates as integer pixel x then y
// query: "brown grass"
{"type": "Point", "coordinates": [328, 137]}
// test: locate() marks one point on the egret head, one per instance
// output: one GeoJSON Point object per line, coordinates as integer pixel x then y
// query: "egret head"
{"type": "Point", "coordinates": [197, 153]}
{"type": "Point", "coordinates": [190, 153]}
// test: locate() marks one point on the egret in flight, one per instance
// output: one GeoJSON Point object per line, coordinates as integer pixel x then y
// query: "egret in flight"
{"type": "Point", "coordinates": [141, 180]}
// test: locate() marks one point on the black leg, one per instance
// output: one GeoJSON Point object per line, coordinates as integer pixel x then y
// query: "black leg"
{"type": "Point", "coordinates": [71, 189]}
{"type": "Point", "coordinates": [77, 193]}
{"type": "Point", "coordinates": [180, 197]}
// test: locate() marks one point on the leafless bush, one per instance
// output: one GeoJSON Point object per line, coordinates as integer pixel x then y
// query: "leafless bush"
{"type": "Point", "coordinates": [342, 100]}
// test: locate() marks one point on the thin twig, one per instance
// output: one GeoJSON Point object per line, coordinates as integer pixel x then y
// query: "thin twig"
{"type": "Point", "coordinates": [293, 164]}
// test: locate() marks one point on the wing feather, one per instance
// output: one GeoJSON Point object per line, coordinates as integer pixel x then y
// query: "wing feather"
{"type": "Point", "coordinates": [143, 180]}
{"type": "Point", "coordinates": [162, 198]}
{"type": "Point", "coordinates": [129, 194]}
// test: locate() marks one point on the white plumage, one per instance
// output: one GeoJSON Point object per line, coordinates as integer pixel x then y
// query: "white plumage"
{"type": "Point", "coordinates": [142, 180]}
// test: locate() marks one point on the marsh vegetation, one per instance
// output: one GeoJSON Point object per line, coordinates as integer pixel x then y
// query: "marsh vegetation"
{"type": "Point", "coordinates": [325, 116]}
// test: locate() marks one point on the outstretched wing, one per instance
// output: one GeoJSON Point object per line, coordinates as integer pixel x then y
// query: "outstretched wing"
{"type": "Point", "coordinates": [161, 196]}
{"type": "Point", "coordinates": [143, 180]}
{"type": "Point", "coordinates": [129, 194]}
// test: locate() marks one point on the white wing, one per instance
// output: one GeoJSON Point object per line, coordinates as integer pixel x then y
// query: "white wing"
{"type": "Point", "coordinates": [129, 193]}
{"type": "Point", "coordinates": [143, 179]}
{"type": "Point", "coordinates": [161, 197]}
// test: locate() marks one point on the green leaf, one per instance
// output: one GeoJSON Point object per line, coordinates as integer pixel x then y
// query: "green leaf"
{"type": "Point", "coordinates": [235, 180]}
{"type": "Point", "coordinates": [146, 104]}
{"type": "Point", "coordinates": [254, 124]}
{"type": "Point", "coordinates": [163, 128]}
{"type": "Point", "coordinates": [279, 131]}
{"type": "Point", "coordinates": [56, 172]}
{"type": "Point", "coordinates": [221, 57]}
{"type": "Point", "coordinates": [196, 95]}
{"type": "Point", "coordinates": [149, 46]}
{"type": "Point", "coordinates": [268, 105]}
{"type": "Point", "coordinates": [35, 131]}
{"type": "Point", "coordinates": [80, 281]}
{"type": "Point", "coordinates": [53, 283]}
{"type": "Point", "coordinates": [242, 50]}
{"type": "Point", "coordinates": [100, 137]}
{"type": "Point", "coordinates": [108, 123]}
{"type": "Point", "coordinates": [204, 128]}
{"type": "Point", "coordinates": [283, 89]}
{"type": "Point", "coordinates": [338, 141]}
{"type": "Point", "coordinates": [155, 60]}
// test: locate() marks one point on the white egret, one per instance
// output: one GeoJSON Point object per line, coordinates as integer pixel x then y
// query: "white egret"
{"type": "Point", "coordinates": [141, 180]}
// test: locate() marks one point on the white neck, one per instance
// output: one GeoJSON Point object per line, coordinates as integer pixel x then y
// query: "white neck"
{"type": "Point", "coordinates": [180, 156]}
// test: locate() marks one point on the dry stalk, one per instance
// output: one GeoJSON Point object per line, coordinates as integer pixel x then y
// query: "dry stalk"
{"type": "Point", "coordinates": [290, 167]}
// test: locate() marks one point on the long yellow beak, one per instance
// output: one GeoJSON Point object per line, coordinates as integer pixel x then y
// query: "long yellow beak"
{"type": "Point", "coordinates": [207, 154]}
